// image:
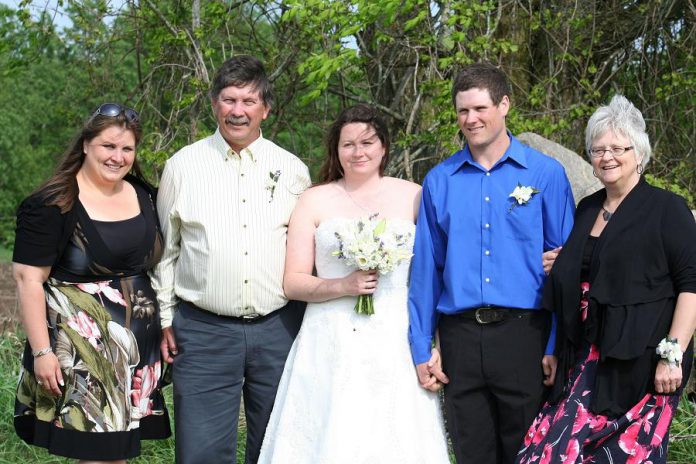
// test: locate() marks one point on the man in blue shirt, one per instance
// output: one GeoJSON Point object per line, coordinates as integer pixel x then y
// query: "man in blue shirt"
{"type": "Point", "coordinates": [487, 214]}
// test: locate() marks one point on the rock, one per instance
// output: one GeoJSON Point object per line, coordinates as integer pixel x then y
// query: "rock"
{"type": "Point", "coordinates": [577, 168]}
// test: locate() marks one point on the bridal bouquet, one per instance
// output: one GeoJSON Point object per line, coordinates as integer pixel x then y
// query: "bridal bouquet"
{"type": "Point", "coordinates": [367, 245]}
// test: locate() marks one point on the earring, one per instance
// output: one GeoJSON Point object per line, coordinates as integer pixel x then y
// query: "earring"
{"type": "Point", "coordinates": [594, 173]}
{"type": "Point", "coordinates": [639, 169]}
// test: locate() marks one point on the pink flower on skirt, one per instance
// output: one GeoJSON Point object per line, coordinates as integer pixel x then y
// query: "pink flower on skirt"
{"type": "Point", "coordinates": [143, 384]}
{"type": "Point", "coordinates": [85, 326]}
{"type": "Point", "coordinates": [597, 422]}
{"type": "Point", "coordinates": [541, 431]}
{"type": "Point", "coordinates": [571, 453]}
{"type": "Point", "coordinates": [546, 454]}
{"type": "Point", "coordinates": [581, 419]}
{"type": "Point", "coordinates": [99, 288]}
{"type": "Point", "coordinates": [663, 422]}
{"type": "Point", "coordinates": [628, 442]}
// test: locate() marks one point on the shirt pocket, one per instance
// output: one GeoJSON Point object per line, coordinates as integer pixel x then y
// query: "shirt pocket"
{"type": "Point", "coordinates": [524, 222]}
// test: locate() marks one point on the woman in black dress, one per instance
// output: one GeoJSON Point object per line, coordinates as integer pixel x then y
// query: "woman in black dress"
{"type": "Point", "coordinates": [90, 384]}
{"type": "Point", "coordinates": [624, 290]}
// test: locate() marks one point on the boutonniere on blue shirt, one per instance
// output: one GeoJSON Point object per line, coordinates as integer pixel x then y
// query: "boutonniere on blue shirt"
{"type": "Point", "coordinates": [272, 183]}
{"type": "Point", "coordinates": [522, 195]}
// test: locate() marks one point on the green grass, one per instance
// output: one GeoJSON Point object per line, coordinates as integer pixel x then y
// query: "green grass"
{"type": "Point", "coordinates": [682, 448]}
{"type": "Point", "coordinates": [5, 257]}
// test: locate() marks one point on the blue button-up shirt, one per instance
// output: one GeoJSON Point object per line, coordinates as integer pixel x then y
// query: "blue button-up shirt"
{"type": "Point", "coordinates": [475, 246]}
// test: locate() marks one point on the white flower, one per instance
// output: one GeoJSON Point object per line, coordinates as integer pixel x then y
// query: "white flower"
{"type": "Point", "coordinates": [368, 245]}
{"type": "Point", "coordinates": [670, 352]}
{"type": "Point", "coordinates": [522, 195]}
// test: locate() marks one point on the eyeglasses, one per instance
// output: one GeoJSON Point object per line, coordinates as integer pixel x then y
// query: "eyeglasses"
{"type": "Point", "coordinates": [114, 109]}
{"type": "Point", "coordinates": [615, 151]}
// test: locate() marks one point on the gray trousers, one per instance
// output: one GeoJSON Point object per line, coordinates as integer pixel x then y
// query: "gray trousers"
{"type": "Point", "coordinates": [218, 359]}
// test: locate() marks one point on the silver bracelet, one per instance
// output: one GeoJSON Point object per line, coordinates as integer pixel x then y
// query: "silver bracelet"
{"type": "Point", "coordinates": [42, 352]}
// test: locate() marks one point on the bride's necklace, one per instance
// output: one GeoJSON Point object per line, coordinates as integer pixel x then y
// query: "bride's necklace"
{"type": "Point", "coordinates": [371, 213]}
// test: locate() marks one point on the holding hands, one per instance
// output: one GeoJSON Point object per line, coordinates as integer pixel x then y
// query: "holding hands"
{"type": "Point", "coordinates": [430, 374]}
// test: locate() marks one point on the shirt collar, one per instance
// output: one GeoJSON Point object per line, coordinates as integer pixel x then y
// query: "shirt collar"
{"type": "Point", "coordinates": [254, 149]}
{"type": "Point", "coordinates": [515, 152]}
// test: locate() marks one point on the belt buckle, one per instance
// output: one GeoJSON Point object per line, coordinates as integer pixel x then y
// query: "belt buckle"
{"type": "Point", "coordinates": [250, 317]}
{"type": "Point", "coordinates": [496, 316]}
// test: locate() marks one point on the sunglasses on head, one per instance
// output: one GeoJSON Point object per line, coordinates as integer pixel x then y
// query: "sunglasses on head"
{"type": "Point", "coordinates": [114, 109]}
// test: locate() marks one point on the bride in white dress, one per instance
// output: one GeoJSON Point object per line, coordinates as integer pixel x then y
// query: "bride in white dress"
{"type": "Point", "coordinates": [349, 392]}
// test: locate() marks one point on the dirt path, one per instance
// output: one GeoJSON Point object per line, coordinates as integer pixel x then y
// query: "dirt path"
{"type": "Point", "coordinates": [9, 314]}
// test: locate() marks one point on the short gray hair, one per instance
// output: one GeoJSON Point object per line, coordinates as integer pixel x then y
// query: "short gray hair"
{"type": "Point", "coordinates": [622, 117]}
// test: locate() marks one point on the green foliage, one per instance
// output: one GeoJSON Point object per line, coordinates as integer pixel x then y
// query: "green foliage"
{"type": "Point", "coordinates": [563, 60]}
{"type": "Point", "coordinates": [673, 187]}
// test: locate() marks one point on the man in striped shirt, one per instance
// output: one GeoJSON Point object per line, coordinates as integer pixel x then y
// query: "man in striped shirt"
{"type": "Point", "coordinates": [224, 204]}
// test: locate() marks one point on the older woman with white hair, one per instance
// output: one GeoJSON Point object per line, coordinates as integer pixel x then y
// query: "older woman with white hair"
{"type": "Point", "coordinates": [624, 290]}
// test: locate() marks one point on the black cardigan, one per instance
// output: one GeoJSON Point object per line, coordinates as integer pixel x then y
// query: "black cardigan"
{"type": "Point", "coordinates": [644, 258]}
{"type": "Point", "coordinates": [43, 232]}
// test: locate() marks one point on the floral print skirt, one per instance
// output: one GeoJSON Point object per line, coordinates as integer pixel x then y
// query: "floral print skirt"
{"type": "Point", "coordinates": [106, 338]}
{"type": "Point", "coordinates": [568, 432]}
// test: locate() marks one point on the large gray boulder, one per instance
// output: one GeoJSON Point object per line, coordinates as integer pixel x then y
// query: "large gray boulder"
{"type": "Point", "coordinates": [577, 168]}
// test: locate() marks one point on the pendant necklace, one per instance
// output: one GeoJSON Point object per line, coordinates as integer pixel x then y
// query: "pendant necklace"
{"type": "Point", "coordinates": [606, 214]}
{"type": "Point", "coordinates": [371, 214]}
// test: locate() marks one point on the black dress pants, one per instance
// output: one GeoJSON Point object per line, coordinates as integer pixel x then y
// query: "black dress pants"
{"type": "Point", "coordinates": [495, 388]}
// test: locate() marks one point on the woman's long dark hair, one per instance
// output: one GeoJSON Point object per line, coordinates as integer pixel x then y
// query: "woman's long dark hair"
{"type": "Point", "coordinates": [61, 188]}
{"type": "Point", "coordinates": [331, 170]}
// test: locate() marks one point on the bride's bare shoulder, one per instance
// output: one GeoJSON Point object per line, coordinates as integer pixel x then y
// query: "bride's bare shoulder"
{"type": "Point", "coordinates": [402, 186]}
{"type": "Point", "coordinates": [319, 195]}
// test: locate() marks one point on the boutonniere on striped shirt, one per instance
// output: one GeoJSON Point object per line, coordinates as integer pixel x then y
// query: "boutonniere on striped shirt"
{"type": "Point", "coordinates": [522, 195]}
{"type": "Point", "coordinates": [272, 183]}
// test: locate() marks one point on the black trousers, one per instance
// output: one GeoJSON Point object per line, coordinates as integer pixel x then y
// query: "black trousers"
{"type": "Point", "coordinates": [219, 359]}
{"type": "Point", "coordinates": [495, 388]}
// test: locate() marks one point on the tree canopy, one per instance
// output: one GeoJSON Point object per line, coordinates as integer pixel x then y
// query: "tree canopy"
{"type": "Point", "coordinates": [564, 58]}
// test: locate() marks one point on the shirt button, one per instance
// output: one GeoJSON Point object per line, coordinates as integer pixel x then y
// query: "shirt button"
{"type": "Point", "coordinates": [488, 174]}
{"type": "Point", "coordinates": [488, 252]}
{"type": "Point", "coordinates": [487, 226]}
{"type": "Point", "coordinates": [487, 198]}
{"type": "Point", "coordinates": [246, 253]}
{"type": "Point", "coordinates": [246, 281]}
{"type": "Point", "coordinates": [244, 225]}
{"type": "Point", "coordinates": [242, 174]}
{"type": "Point", "coordinates": [243, 200]}
{"type": "Point", "coordinates": [487, 279]}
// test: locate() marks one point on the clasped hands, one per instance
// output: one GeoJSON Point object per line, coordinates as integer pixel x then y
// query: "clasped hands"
{"type": "Point", "coordinates": [430, 374]}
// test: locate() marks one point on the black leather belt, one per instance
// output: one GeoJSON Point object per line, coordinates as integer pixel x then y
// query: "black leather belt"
{"type": "Point", "coordinates": [490, 314]}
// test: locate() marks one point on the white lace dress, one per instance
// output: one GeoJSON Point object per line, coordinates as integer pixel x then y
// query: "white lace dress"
{"type": "Point", "coordinates": [349, 393]}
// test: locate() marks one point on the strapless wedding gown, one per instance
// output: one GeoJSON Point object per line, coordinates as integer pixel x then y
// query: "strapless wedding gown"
{"type": "Point", "coordinates": [349, 393]}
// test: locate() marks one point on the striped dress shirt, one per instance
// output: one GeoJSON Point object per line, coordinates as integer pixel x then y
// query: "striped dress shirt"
{"type": "Point", "coordinates": [224, 216]}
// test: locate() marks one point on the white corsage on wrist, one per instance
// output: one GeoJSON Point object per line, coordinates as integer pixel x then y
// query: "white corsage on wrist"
{"type": "Point", "coordinates": [669, 350]}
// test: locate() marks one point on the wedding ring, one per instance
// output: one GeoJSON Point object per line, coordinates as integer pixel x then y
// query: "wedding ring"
{"type": "Point", "coordinates": [39, 382]}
